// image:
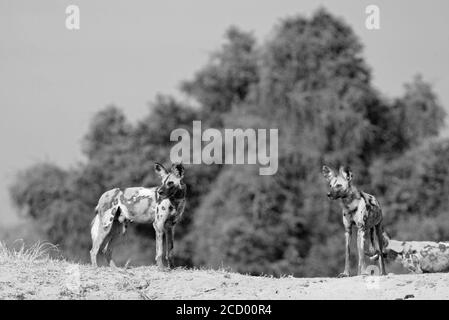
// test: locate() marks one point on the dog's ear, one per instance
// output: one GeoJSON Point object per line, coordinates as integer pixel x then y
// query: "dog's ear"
{"type": "Point", "coordinates": [346, 173]}
{"type": "Point", "coordinates": [178, 169]}
{"type": "Point", "coordinates": [392, 245]}
{"type": "Point", "coordinates": [160, 169]}
{"type": "Point", "coordinates": [395, 246]}
{"type": "Point", "coordinates": [327, 172]}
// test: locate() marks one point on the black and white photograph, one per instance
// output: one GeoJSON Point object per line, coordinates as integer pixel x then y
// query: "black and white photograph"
{"type": "Point", "coordinates": [234, 151]}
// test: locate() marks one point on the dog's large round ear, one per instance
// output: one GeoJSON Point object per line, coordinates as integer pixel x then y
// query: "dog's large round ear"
{"type": "Point", "coordinates": [346, 173]}
{"type": "Point", "coordinates": [160, 169]}
{"type": "Point", "coordinates": [178, 169]}
{"type": "Point", "coordinates": [327, 172]}
{"type": "Point", "coordinates": [395, 245]}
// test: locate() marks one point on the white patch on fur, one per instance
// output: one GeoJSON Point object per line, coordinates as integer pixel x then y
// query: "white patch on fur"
{"type": "Point", "coordinates": [146, 192]}
{"type": "Point", "coordinates": [95, 227]}
{"type": "Point", "coordinates": [164, 212]}
{"type": "Point", "coordinates": [353, 205]}
{"type": "Point", "coordinates": [108, 218]}
{"type": "Point", "coordinates": [338, 180]}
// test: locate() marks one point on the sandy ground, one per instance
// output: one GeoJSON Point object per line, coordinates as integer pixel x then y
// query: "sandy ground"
{"type": "Point", "coordinates": [53, 279]}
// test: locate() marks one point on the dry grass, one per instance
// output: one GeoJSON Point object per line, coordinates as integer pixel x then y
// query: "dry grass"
{"type": "Point", "coordinates": [22, 253]}
{"type": "Point", "coordinates": [32, 273]}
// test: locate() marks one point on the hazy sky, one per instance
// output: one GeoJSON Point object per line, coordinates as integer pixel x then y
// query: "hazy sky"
{"type": "Point", "coordinates": [53, 80]}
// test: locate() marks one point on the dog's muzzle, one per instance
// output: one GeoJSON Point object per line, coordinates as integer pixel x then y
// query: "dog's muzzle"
{"type": "Point", "coordinates": [160, 193]}
{"type": "Point", "coordinates": [165, 193]}
{"type": "Point", "coordinates": [332, 196]}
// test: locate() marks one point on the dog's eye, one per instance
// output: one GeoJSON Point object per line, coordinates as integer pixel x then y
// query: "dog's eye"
{"type": "Point", "coordinates": [338, 186]}
{"type": "Point", "coordinates": [170, 183]}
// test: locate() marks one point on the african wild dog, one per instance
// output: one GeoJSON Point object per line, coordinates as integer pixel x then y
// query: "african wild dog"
{"type": "Point", "coordinates": [360, 209]}
{"type": "Point", "coordinates": [162, 206]}
{"type": "Point", "coordinates": [417, 256]}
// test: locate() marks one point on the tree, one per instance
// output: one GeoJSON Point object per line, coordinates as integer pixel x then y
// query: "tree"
{"type": "Point", "coordinates": [227, 79]}
{"type": "Point", "coordinates": [108, 129]}
{"type": "Point", "coordinates": [419, 113]}
{"type": "Point", "coordinates": [36, 187]}
{"type": "Point", "coordinates": [414, 184]}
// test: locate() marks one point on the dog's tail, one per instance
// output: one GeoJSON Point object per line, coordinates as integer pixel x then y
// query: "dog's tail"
{"type": "Point", "coordinates": [385, 238]}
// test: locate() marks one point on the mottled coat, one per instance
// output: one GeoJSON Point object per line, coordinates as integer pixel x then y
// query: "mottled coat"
{"type": "Point", "coordinates": [161, 206]}
{"type": "Point", "coordinates": [420, 256]}
{"type": "Point", "coordinates": [359, 209]}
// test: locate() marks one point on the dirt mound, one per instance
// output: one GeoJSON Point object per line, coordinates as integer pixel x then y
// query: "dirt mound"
{"type": "Point", "coordinates": [33, 275]}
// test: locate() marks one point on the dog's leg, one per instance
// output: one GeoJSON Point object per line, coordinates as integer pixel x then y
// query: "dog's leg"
{"type": "Point", "coordinates": [159, 226]}
{"type": "Point", "coordinates": [110, 244]}
{"type": "Point", "coordinates": [159, 248]}
{"type": "Point", "coordinates": [372, 247]}
{"type": "Point", "coordinates": [159, 229]}
{"type": "Point", "coordinates": [348, 232]}
{"type": "Point", "coordinates": [372, 251]}
{"type": "Point", "coordinates": [108, 252]}
{"type": "Point", "coordinates": [380, 242]}
{"type": "Point", "coordinates": [361, 250]}
{"type": "Point", "coordinates": [93, 253]}
{"type": "Point", "coordinates": [169, 236]}
{"type": "Point", "coordinates": [98, 234]}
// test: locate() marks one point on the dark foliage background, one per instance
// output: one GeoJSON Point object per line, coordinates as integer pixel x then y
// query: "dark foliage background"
{"type": "Point", "coordinates": [310, 80]}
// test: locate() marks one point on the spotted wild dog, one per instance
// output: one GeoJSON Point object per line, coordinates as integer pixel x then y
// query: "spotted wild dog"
{"type": "Point", "coordinates": [360, 209]}
{"type": "Point", "coordinates": [162, 206]}
{"type": "Point", "coordinates": [417, 256]}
